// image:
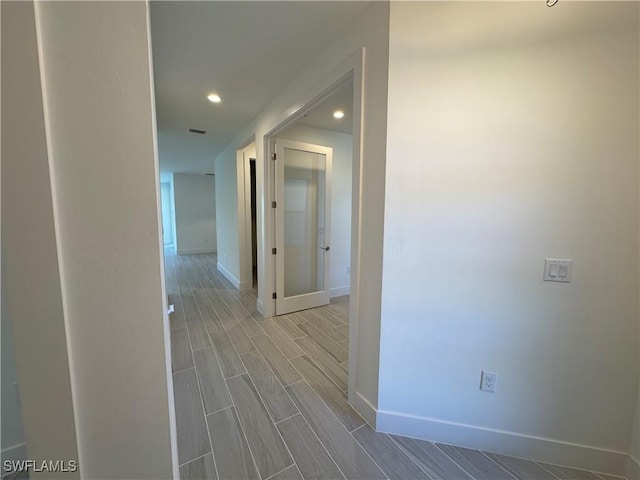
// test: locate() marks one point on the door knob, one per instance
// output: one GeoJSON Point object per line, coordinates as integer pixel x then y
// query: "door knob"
{"type": "Point", "coordinates": [325, 248]}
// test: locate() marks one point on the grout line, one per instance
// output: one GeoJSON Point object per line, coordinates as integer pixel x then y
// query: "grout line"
{"type": "Point", "coordinates": [406, 452]}
{"type": "Point", "coordinates": [193, 460]}
{"type": "Point", "coordinates": [496, 463]}
{"type": "Point", "coordinates": [219, 410]}
{"type": "Point", "coordinates": [288, 466]}
{"type": "Point", "coordinates": [204, 410]}
{"type": "Point", "coordinates": [289, 417]}
{"type": "Point", "coordinates": [454, 461]}
{"type": "Point", "coordinates": [313, 432]}
{"type": "Point", "coordinates": [184, 370]}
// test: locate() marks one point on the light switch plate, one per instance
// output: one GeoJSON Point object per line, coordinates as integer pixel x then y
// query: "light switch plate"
{"type": "Point", "coordinates": [557, 270]}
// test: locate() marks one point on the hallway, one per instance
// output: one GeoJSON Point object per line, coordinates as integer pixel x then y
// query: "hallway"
{"type": "Point", "coordinates": [266, 399]}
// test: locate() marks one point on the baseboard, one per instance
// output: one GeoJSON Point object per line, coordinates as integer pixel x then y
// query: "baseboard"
{"type": "Point", "coordinates": [13, 454]}
{"type": "Point", "coordinates": [339, 291]}
{"type": "Point", "coordinates": [260, 306]}
{"type": "Point", "coordinates": [227, 274]}
{"type": "Point", "coordinates": [190, 251]}
{"type": "Point", "coordinates": [503, 442]}
{"type": "Point", "coordinates": [243, 286]}
{"type": "Point", "coordinates": [633, 468]}
{"type": "Point", "coordinates": [365, 409]}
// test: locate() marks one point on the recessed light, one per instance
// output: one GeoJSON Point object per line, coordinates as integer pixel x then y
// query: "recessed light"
{"type": "Point", "coordinates": [338, 114]}
{"type": "Point", "coordinates": [214, 98]}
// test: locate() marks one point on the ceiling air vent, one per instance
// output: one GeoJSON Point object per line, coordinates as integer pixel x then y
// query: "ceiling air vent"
{"type": "Point", "coordinates": [195, 130]}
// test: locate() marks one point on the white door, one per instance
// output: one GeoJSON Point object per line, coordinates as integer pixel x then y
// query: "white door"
{"type": "Point", "coordinates": [303, 208]}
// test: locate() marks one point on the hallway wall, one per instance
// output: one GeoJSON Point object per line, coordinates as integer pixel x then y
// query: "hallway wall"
{"type": "Point", "coordinates": [513, 138]}
{"type": "Point", "coordinates": [195, 213]}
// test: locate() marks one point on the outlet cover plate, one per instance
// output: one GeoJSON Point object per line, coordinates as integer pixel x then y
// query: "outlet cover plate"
{"type": "Point", "coordinates": [488, 381]}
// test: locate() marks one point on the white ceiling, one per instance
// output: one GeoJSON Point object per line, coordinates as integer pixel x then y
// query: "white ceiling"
{"type": "Point", "coordinates": [244, 51]}
{"type": "Point", "coordinates": [322, 115]}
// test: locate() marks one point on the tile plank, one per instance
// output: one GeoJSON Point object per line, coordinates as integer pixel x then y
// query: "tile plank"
{"type": "Point", "coordinates": [239, 337]}
{"type": "Point", "coordinates": [289, 327]}
{"type": "Point", "coordinates": [180, 350]}
{"type": "Point", "coordinates": [289, 473]}
{"type": "Point", "coordinates": [431, 459]}
{"type": "Point", "coordinates": [193, 439]}
{"type": "Point", "coordinates": [275, 398]}
{"type": "Point", "coordinates": [230, 449]}
{"type": "Point", "coordinates": [287, 346]}
{"type": "Point", "coordinates": [202, 468]}
{"type": "Point", "coordinates": [388, 455]}
{"type": "Point", "coordinates": [309, 454]}
{"type": "Point", "coordinates": [327, 363]}
{"type": "Point", "coordinates": [335, 398]}
{"type": "Point", "coordinates": [520, 468]}
{"type": "Point", "coordinates": [331, 347]}
{"type": "Point", "coordinates": [214, 390]}
{"type": "Point", "coordinates": [278, 363]}
{"type": "Point", "coordinates": [478, 465]}
{"type": "Point", "coordinates": [229, 360]}
{"type": "Point", "coordinates": [568, 473]}
{"type": "Point", "coordinates": [269, 451]}
{"type": "Point", "coordinates": [345, 451]}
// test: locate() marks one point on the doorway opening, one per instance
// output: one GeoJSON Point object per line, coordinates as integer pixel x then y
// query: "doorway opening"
{"type": "Point", "coordinates": [254, 224]}
{"type": "Point", "coordinates": [312, 189]}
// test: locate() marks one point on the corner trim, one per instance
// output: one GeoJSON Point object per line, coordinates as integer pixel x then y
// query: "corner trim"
{"type": "Point", "coordinates": [365, 409]}
{"type": "Point", "coordinates": [503, 442]}
{"type": "Point", "coordinates": [227, 274]}
{"type": "Point", "coordinates": [260, 306]}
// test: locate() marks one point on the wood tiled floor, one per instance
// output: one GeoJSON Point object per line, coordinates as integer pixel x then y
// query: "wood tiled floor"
{"type": "Point", "coordinates": [265, 399]}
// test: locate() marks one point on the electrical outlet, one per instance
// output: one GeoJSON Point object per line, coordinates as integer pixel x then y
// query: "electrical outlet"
{"type": "Point", "coordinates": [488, 381]}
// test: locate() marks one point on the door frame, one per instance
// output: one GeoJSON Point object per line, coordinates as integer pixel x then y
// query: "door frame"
{"type": "Point", "coordinates": [352, 67]}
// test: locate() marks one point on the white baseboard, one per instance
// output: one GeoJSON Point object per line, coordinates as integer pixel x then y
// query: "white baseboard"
{"type": "Point", "coordinates": [245, 286]}
{"type": "Point", "coordinates": [260, 306]}
{"type": "Point", "coordinates": [227, 274]}
{"type": "Point", "coordinates": [14, 453]}
{"type": "Point", "coordinates": [633, 468]}
{"type": "Point", "coordinates": [365, 409]}
{"type": "Point", "coordinates": [190, 251]}
{"type": "Point", "coordinates": [339, 291]}
{"type": "Point", "coordinates": [503, 442]}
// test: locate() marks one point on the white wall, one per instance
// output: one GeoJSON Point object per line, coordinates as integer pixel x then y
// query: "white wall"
{"type": "Point", "coordinates": [340, 241]}
{"type": "Point", "coordinates": [100, 118]}
{"type": "Point", "coordinates": [30, 257]}
{"type": "Point", "coordinates": [228, 227]}
{"type": "Point", "coordinates": [195, 213]}
{"type": "Point", "coordinates": [369, 30]}
{"type": "Point", "coordinates": [512, 138]}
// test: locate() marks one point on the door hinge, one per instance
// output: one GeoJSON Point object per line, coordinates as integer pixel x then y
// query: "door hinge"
{"type": "Point", "coordinates": [273, 204]}
{"type": "Point", "coordinates": [274, 251]}
{"type": "Point", "coordinates": [273, 156]}
{"type": "Point", "coordinates": [274, 295]}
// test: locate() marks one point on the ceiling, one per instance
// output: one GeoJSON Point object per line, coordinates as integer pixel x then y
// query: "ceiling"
{"type": "Point", "coordinates": [322, 115]}
{"type": "Point", "coordinates": [243, 51]}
